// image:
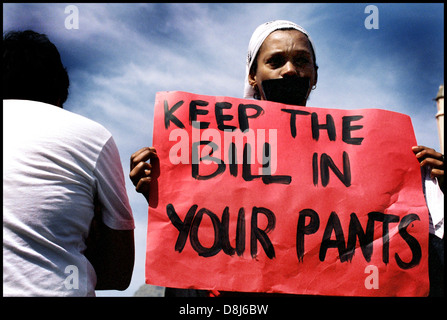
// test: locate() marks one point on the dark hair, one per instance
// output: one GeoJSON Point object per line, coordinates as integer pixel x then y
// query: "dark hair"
{"type": "Point", "coordinates": [32, 68]}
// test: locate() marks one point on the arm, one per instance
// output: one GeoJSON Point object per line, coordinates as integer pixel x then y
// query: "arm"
{"type": "Point", "coordinates": [110, 244]}
{"type": "Point", "coordinates": [433, 161]}
{"type": "Point", "coordinates": [140, 170]}
{"type": "Point", "coordinates": [112, 254]}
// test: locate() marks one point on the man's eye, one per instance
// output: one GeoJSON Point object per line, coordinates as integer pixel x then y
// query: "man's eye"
{"type": "Point", "coordinates": [301, 61]}
{"type": "Point", "coordinates": [275, 62]}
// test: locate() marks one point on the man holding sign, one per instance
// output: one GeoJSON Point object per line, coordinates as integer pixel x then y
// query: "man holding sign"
{"type": "Point", "coordinates": [367, 229]}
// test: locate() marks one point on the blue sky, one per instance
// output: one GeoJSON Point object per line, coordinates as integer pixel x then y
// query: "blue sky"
{"type": "Point", "coordinates": [122, 54]}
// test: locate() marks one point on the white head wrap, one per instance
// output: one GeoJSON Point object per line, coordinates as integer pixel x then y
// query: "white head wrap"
{"type": "Point", "coordinates": [258, 37]}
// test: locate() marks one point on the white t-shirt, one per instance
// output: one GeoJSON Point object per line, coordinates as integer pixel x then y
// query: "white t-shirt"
{"type": "Point", "coordinates": [435, 203]}
{"type": "Point", "coordinates": [54, 163]}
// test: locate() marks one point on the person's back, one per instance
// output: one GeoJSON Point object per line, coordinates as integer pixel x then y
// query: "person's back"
{"type": "Point", "coordinates": [60, 170]}
{"type": "Point", "coordinates": [49, 159]}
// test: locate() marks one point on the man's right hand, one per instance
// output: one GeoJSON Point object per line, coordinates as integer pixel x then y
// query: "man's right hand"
{"type": "Point", "coordinates": [140, 170]}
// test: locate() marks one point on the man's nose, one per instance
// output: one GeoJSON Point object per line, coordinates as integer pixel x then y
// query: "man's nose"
{"type": "Point", "coordinates": [289, 70]}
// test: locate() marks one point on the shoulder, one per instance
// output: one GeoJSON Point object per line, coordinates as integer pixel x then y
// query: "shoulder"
{"type": "Point", "coordinates": [49, 117]}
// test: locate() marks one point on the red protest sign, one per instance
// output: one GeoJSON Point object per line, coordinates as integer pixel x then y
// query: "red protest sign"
{"type": "Point", "coordinates": [259, 196]}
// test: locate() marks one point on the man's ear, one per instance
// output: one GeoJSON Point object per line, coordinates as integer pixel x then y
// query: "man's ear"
{"type": "Point", "coordinates": [316, 77]}
{"type": "Point", "coordinates": [59, 103]}
{"type": "Point", "coordinates": [252, 80]}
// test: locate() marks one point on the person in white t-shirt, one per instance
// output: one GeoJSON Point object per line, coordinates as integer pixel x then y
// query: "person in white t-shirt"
{"type": "Point", "coordinates": [67, 222]}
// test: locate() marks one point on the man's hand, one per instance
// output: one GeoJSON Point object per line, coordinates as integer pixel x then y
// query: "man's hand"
{"type": "Point", "coordinates": [432, 160]}
{"type": "Point", "coordinates": [429, 157]}
{"type": "Point", "coordinates": [140, 170]}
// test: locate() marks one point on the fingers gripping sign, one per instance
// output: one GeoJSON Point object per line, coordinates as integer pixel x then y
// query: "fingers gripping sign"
{"type": "Point", "coordinates": [141, 172]}
{"type": "Point", "coordinates": [432, 160]}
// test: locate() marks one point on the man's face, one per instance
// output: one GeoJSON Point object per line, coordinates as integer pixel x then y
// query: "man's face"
{"type": "Point", "coordinates": [284, 53]}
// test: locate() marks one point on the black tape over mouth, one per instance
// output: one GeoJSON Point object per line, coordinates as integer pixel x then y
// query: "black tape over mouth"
{"type": "Point", "coordinates": [287, 90]}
